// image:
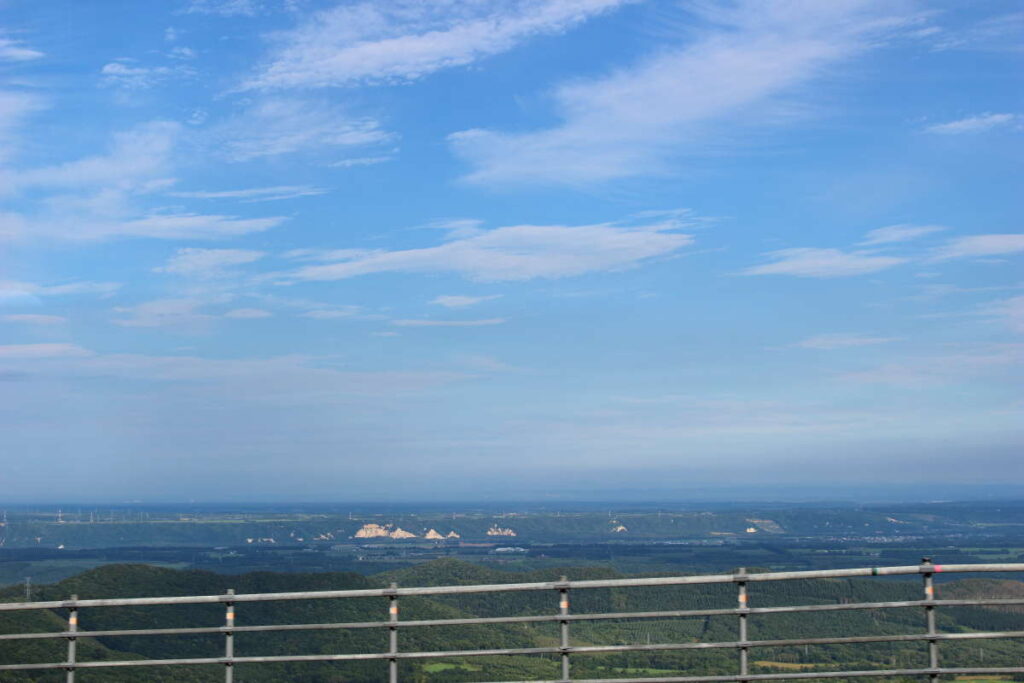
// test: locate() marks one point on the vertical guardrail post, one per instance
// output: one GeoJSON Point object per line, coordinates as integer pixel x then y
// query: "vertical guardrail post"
{"type": "Point", "coordinates": [563, 628]}
{"type": "Point", "coordinates": [72, 640]}
{"type": "Point", "coordinates": [741, 597]}
{"type": "Point", "coordinates": [393, 636]}
{"type": "Point", "coordinates": [229, 640]}
{"type": "Point", "coordinates": [929, 615]}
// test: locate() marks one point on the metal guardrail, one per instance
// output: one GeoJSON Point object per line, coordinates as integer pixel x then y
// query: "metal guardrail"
{"type": "Point", "coordinates": [563, 617]}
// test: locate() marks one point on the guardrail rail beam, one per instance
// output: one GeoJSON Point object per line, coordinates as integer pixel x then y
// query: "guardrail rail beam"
{"type": "Point", "coordinates": [741, 578]}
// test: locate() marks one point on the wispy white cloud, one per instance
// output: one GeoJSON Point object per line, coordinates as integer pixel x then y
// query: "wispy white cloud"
{"type": "Point", "coordinates": [331, 313]}
{"type": "Point", "coordinates": [460, 301]}
{"type": "Point", "coordinates": [823, 263]}
{"type": "Point", "coordinates": [827, 342]}
{"type": "Point", "coordinates": [181, 52]}
{"type": "Point", "coordinates": [938, 290]}
{"type": "Point", "coordinates": [997, 33]}
{"type": "Point", "coordinates": [637, 120]}
{"type": "Point", "coordinates": [404, 40]}
{"type": "Point", "coordinates": [99, 197]}
{"type": "Point", "coordinates": [206, 263]}
{"type": "Point", "coordinates": [135, 157]}
{"type": "Point", "coordinates": [154, 225]}
{"type": "Point", "coordinates": [899, 233]}
{"type": "Point", "coordinates": [28, 292]}
{"type": "Point", "coordinates": [129, 74]}
{"type": "Point", "coordinates": [50, 350]}
{"type": "Point", "coordinates": [276, 126]}
{"type": "Point", "coordinates": [682, 416]}
{"type": "Point", "coordinates": [326, 255]}
{"type": "Point", "coordinates": [363, 161]}
{"type": "Point", "coordinates": [15, 51]}
{"type": "Point", "coordinates": [457, 228]}
{"type": "Point", "coordinates": [15, 108]}
{"type": "Point", "coordinates": [519, 252]}
{"type": "Point", "coordinates": [226, 8]}
{"type": "Point", "coordinates": [978, 246]}
{"type": "Point", "coordinates": [102, 288]}
{"type": "Point", "coordinates": [35, 319]}
{"type": "Point", "coordinates": [945, 368]}
{"type": "Point", "coordinates": [973, 124]}
{"type": "Point", "coordinates": [255, 194]}
{"type": "Point", "coordinates": [248, 313]}
{"type": "Point", "coordinates": [1010, 311]}
{"type": "Point", "coordinates": [186, 314]}
{"type": "Point", "coordinates": [181, 313]}
{"type": "Point", "coordinates": [484, 322]}
{"type": "Point", "coordinates": [256, 379]}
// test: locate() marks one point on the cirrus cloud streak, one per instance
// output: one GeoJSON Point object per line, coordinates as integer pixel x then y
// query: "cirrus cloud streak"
{"type": "Point", "coordinates": [813, 262]}
{"type": "Point", "coordinates": [400, 41]}
{"type": "Point", "coordinates": [636, 120]}
{"type": "Point", "coordinates": [518, 252]}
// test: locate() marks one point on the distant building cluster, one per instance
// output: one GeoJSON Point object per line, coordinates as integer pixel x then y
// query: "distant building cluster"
{"type": "Point", "coordinates": [434, 535]}
{"type": "Point", "coordinates": [391, 531]}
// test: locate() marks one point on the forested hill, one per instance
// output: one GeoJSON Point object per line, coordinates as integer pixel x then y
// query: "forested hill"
{"type": "Point", "coordinates": [141, 581]}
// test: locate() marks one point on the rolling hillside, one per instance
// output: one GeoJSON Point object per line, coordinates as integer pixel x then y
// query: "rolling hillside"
{"type": "Point", "coordinates": [140, 580]}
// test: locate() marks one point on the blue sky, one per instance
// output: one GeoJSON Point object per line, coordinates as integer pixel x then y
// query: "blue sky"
{"type": "Point", "coordinates": [529, 248]}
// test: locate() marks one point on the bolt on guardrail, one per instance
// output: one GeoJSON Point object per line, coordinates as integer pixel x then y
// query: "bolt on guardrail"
{"type": "Point", "coordinates": [72, 641]}
{"type": "Point", "coordinates": [929, 611]}
{"type": "Point", "coordinates": [563, 628]}
{"type": "Point", "coordinates": [931, 637]}
{"type": "Point", "coordinates": [393, 636]}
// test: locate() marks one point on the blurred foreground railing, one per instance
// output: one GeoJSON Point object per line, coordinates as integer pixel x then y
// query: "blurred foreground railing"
{"type": "Point", "coordinates": [563, 617]}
